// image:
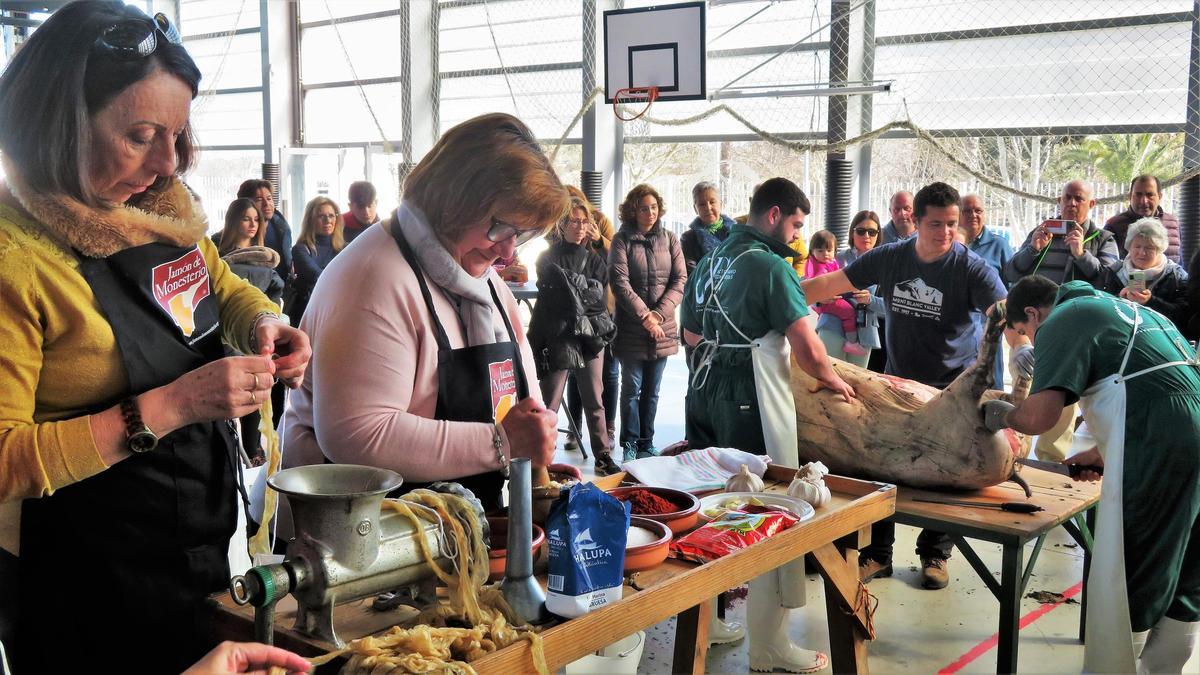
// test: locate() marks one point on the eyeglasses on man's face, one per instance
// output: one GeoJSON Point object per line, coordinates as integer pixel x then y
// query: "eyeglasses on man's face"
{"type": "Point", "coordinates": [501, 231]}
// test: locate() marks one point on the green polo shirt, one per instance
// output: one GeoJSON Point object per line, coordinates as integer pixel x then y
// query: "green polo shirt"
{"type": "Point", "coordinates": [760, 293]}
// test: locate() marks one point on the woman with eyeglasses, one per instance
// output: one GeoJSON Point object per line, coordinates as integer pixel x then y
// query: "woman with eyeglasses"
{"type": "Point", "coordinates": [647, 272]}
{"type": "Point", "coordinates": [421, 365]}
{"type": "Point", "coordinates": [114, 422]}
{"type": "Point", "coordinates": [864, 235]}
{"type": "Point", "coordinates": [320, 240]}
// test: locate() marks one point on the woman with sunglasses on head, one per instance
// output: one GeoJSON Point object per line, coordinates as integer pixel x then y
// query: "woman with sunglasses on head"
{"type": "Point", "coordinates": [320, 239]}
{"type": "Point", "coordinates": [422, 365]}
{"type": "Point", "coordinates": [864, 235]}
{"type": "Point", "coordinates": [647, 272]}
{"type": "Point", "coordinates": [114, 426]}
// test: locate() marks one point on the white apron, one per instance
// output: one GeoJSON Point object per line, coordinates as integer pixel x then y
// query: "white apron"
{"type": "Point", "coordinates": [1108, 647]}
{"type": "Point", "coordinates": [771, 358]}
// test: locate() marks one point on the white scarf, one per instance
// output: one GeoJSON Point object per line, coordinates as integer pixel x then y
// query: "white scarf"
{"type": "Point", "coordinates": [475, 306]}
{"type": "Point", "coordinates": [1152, 273]}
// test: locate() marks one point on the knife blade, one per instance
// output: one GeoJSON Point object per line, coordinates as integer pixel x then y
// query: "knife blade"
{"type": "Point", "coordinates": [1072, 470]}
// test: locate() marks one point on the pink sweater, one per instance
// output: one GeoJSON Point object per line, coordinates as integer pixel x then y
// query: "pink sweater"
{"type": "Point", "coordinates": [371, 389]}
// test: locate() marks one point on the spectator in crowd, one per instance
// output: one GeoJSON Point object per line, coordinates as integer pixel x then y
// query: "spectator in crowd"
{"type": "Point", "coordinates": [994, 248]}
{"type": "Point", "coordinates": [822, 260]}
{"type": "Point", "coordinates": [571, 326]}
{"type": "Point", "coordinates": [1081, 253]}
{"type": "Point", "coordinates": [242, 249]}
{"type": "Point", "coordinates": [116, 386]}
{"type": "Point", "coordinates": [601, 236]}
{"type": "Point", "coordinates": [1144, 198]}
{"type": "Point", "coordinates": [320, 240]}
{"type": "Point", "coordinates": [647, 272]}
{"type": "Point", "coordinates": [428, 371]}
{"type": "Point", "coordinates": [1146, 275]}
{"type": "Point", "coordinates": [278, 234]}
{"type": "Point", "coordinates": [930, 285]}
{"type": "Point", "coordinates": [362, 214]}
{"type": "Point", "coordinates": [869, 307]}
{"type": "Point", "coordinates": [902, 226]}
{"type": "Point", "coordinates": [708, 229]}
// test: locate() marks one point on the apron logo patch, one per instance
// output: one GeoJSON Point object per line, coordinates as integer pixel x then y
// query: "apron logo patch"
{"type": "Point", "coordinates": [503, 379]}
{"type": "Point", "coordinates": [179, 286]}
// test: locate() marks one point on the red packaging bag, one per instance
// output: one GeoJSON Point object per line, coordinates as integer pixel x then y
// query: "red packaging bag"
{"type": "Point", "coordinates": [732, 531]}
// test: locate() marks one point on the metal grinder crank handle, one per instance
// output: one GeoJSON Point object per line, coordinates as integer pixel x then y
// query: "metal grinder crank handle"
{"type": "Point", "coordinates": [262, 587]}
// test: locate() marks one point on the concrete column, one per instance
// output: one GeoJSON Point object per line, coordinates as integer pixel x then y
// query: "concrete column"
{"type": "Point", "coordinates": [421, 103]}
{"type": "Point", "coordinates": [602, 135]}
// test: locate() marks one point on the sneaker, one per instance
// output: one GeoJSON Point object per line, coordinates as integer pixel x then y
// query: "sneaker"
{"type": "Point", "coordinates": [648, 452]}
{"type": "Point", "coordinates": [604, 465]}
{"type": "Point", "coordinates": [630, 451]}
{"type": "Point", "coordinates": [934, 573]}
{"type": "Point", "coordinates": [855, 349]}
{"type": "Point", "coordinates": [571, 444]}
{"type": "Point", "coordinates": [870, 568]}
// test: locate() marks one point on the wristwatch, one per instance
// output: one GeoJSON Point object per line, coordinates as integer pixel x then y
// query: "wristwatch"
{"type": "Point", "coordinates": [138, 437]}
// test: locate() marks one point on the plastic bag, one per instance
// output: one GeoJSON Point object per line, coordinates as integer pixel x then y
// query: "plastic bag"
{"type": "Point", "coordinates": [586, 531]}
{"type": "Point", "coordinates": [732, 531]}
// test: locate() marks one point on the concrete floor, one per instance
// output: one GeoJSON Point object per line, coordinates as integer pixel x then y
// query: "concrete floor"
{"type": "Point", "coordinates": [917, 631]}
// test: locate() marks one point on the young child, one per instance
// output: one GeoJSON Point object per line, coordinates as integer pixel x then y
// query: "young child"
{"type": "Point", "coordinates": [821, 250]}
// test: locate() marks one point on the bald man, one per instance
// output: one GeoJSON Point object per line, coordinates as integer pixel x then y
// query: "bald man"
{"type": "Point", "coordinates": [1080, 254]}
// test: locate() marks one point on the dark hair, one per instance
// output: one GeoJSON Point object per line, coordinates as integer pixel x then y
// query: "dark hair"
{"type": "Point", "coordinates": [779, 192]}
{"type": "Point", "coordinates": [854, 222]}
{"type": "Point", "coordinates": [1145, 176]}
{"type": "Point", "coordinates": [497, 162]}
{"type": "Point", "coordinates": [628, 209]}
{"type": "Point", "coordinates": [55, 84]}
{"type": "Point", "coordinates": [823, 239]}
{"type": "Point", "coordinates": [233, 226]}
{"type": "Point", "coordinates": [250, 187]}
{"type": "Point", "coordinates": [1034, 290]}
{"type": "Point", "coordinates": [934, 194]}
{"type": "Point", "coordinates": [362, 193]}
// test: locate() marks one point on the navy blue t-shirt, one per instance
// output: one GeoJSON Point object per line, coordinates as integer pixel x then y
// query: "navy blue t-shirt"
{"type": "Point", "coordinates": [930, 333]}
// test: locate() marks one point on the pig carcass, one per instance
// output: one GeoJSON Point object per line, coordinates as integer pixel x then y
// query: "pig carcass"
{"type": "Point", "coordinates": [903, 432]}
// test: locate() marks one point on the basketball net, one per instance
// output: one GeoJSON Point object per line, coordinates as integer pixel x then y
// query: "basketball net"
{"type": "Point", "coordinates": [630, 106]}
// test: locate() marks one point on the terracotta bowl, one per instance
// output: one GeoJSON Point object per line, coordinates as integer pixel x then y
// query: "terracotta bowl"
{"type": "Point", "coordinates": [498, 543]}
{"type": "Point", "coordinates": [679, 521]}
{"type": "Point", "coordinates": [644, 557]}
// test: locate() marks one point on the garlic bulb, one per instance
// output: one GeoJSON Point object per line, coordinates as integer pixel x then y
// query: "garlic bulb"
{"type": "Point", "coordinates": [744, 481]}
{"type": "Point", "coordinates": [809, 485]}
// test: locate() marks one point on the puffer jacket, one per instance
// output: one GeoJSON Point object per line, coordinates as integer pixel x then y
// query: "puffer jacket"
{"type": "Point", "coordinates": [570, 322]}
{"type": "Point", "coordinates": [1168, 291]}
{"type": "Point", "coordinates": [646, 272]}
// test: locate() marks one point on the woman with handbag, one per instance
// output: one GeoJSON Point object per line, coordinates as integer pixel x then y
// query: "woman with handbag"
{"type": "Point", "coordinates": [571, 325]}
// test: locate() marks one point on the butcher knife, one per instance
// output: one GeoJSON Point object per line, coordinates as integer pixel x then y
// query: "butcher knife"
{"type": "Point", "coordinates": [1072, 470]}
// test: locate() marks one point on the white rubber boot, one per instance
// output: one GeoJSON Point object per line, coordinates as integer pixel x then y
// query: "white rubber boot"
{"type": "Point", "coordinates": [770, 646]}
{"type": "Point", "coordinates": [723, 632]}
{"type": "Point", "coordinates": [1169, 647]}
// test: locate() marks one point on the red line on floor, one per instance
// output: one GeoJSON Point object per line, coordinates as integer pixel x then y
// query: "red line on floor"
{"type": "Point", "coordinates": [986, 646]}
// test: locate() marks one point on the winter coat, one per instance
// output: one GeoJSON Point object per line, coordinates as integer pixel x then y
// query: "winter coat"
{"type": "Point", "coordinates": [1057, 264]}
{"type": "Point", "coordinates": [570, 323]}
{"type": "Point", "coordinates": [646, 272]}
{"type": "Point", "coordinates": [699, 240]}
{"type": "Point", "coordinates": [1168, 291]}
{"type": "Point", "coordinates": [257, 264]}
{"type": "Point", "coordinates": [1119, 226]}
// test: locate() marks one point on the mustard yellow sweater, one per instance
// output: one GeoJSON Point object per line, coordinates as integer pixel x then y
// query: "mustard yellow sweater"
{"type": "Point", "coordinates": [59, 357]}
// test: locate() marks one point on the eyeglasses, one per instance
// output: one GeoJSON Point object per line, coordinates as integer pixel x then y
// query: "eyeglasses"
{"type": "Point", "coordinates": [866, 232]}
{"type": "Point", "coordinates": [501, 231]}
{"type": "Point", "coordinates": [136, 38]}
{"type": "Point", "coordinates": [578, 222]}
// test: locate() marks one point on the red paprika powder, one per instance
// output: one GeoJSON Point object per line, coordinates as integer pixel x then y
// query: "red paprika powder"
{"type": "Point", "coordinates": [645, 502]}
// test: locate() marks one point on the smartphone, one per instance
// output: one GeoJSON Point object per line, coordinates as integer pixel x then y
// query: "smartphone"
{"type": "Point", "coordinates": [1059, 226]}
{"type": "Point", "coordinates": [1137, 281]}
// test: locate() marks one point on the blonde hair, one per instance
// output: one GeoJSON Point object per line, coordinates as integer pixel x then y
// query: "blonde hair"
{"type": "Point", "coordinates": [576, 203]}
{"type": "Point", "coordinates": [308, 227]}
{"type": "Point", "coordinates": [487, 165]}
{"type": "Point", "coordinates": [231, 234]}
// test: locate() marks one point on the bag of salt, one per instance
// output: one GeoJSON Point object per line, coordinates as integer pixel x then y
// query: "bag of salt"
{"type": "Point", "coordinates": [586, 532]}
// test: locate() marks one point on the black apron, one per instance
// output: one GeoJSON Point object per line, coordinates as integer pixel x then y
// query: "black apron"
{"type": "Point", "coordinates": [471, 381]}
{"type": "Point", "coordinates": [115, 568]}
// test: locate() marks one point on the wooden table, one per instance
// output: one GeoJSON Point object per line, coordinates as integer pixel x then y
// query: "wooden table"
{"type": "Point", "coordinates": [1065, 502]}
{"type": "Point", "coordinates": [676, 587]}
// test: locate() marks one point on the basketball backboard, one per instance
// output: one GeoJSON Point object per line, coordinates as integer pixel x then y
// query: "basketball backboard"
{"type": "Point", "coordinates": [661, 46]}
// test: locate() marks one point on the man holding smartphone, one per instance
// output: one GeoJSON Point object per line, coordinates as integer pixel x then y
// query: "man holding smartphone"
{"type": "Point", "coordinates": [1068, 247]}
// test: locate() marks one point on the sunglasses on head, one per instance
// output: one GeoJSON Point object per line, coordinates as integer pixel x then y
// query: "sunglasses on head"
{"type": "Point", "coordinates": [866, 232]}
{"type": "Point", "coordinates": [501, 231]}
{"type": "Point", "coordinates": [136, 38]}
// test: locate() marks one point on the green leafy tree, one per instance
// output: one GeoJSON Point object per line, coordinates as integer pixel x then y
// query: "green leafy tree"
{"type": "Point", "coordinates": [1118, 158]}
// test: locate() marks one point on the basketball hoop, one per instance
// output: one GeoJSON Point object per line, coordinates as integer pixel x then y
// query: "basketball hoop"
{"type": "Point", "coordinates": [634, 95]}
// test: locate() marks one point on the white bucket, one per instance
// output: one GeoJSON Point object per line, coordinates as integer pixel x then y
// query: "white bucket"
{"type": "Point", "coordinates": [622, 656]}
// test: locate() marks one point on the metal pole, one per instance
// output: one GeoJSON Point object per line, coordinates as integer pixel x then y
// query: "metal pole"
{"type": "Point", "coordinates": [838, 170]}
{"type": "Point", "coordinates": [867, 103]}
{"type": "Point", "coordinates": [264, 42]}
{"type": "Point", "coordinates": [1189, 203]}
